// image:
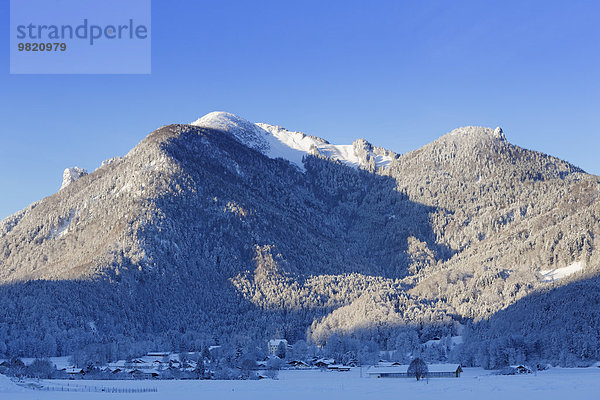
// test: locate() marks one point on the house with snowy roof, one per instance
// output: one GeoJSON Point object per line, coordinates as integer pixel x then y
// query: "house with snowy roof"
{"type": "Point", "coordinates": [298, 364]}
{"type": "Point", "coordinates": [143, 373]}
{"type": "Point", "coordinates": [73, 372]}
{"type": "Point", "coordinates": [324, 362]}
{"type": "Point", "coordinates": [273, 345]}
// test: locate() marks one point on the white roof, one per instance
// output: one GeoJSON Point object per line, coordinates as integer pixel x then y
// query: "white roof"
{"type": "Point", "coordinates": [117, 364]}
{"type": "Point", "coordinates": [442, 367]}
{"type": "Point", "coordinates": [402, 369]}
{"type": "Point", "coordinates": [158, 354]}
{"type": "Point", "coordinates": [325, 360]}
{"type": "Point", "coordinates": [276, 342]}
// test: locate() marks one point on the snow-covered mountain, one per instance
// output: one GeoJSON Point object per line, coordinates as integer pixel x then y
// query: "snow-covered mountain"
{"type": "Point", "coordinates": [277, 142]}
{"type": "Point", "coordinates": [223, 226]}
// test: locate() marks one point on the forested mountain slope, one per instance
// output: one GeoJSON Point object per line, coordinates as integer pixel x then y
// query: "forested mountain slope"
{"type": "Point", "coordinates": [201, 233]}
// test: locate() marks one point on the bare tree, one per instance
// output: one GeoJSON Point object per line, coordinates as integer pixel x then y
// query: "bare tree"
{"type": "Point", "coordinates": [418, 368]}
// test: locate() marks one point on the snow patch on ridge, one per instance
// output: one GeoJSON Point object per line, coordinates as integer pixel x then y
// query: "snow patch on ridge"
{"type": "Point", "coordinates": [348, 154]}
{"type": "Point", "coordinates": [63, 226]}
{"type": "Point", "coordinates": [277, 142]}
{"type": "Point", "coordinates": [549, 275]}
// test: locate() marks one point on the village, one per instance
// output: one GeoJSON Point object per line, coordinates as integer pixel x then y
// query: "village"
{"type": "Point", "coordinates": [209, 365]}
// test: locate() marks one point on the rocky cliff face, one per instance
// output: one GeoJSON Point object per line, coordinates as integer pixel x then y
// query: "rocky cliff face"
{"type": "Point", "coordinates": [70, 175]}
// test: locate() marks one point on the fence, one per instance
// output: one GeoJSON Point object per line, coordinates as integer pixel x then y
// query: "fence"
{"type": "Point", "coordinates": [85, 388]}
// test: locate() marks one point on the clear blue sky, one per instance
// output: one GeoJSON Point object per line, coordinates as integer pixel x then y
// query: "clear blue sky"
{"type": "Point", "coordinates": [399, 74]}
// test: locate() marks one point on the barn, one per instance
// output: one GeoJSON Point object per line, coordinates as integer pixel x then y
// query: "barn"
{"type": "Point", "coordinates": [444, 370]}
{"type": "Point", "coordinates": [401, 371]}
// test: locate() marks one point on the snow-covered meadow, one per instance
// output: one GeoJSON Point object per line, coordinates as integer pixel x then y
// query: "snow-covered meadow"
{"type": "Point", "coordinates": [475, 383]}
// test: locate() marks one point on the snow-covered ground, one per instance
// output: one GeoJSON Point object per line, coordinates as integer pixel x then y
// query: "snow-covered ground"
{"type": "Point", "coordinates": [549, 275]}
{"type": "Point", "coordinates": [8, 386]}
{"type": "Point", "coordinates": [475, 383]}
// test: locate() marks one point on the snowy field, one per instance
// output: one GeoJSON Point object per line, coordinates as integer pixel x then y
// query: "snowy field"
{"type": "Point", "coordinates": [313, 384]}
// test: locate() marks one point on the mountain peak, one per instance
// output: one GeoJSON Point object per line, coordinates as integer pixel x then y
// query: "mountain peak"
{"type": "Point", "coordinates": [243, 130]}
{"type": "Point", "coordinates": [278, 142]}
{"type": "Point", "coordinates": [475, 133]}
{"type": "Point", "coordinates": [499, 133]}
